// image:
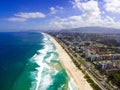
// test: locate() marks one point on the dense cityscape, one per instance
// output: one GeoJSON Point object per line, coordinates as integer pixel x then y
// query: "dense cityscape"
{"type": "Point", "coordinates": [97, 55]}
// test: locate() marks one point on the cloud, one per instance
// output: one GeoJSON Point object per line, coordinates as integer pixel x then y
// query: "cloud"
{"type": "Point", "coordinates": [91, 16]}
{"type": "Point", "coordinates": [79, 21]}
{"type": "Point", "coordinates": [89, 9]}
{"type": "Point", "coordinates": [112, 6]}
{"type": "Point", "coordinates": [30, 15]}
{"type": "Point", "coordinates": [54, 10]}
{"type": "Point", "coordinates": [65, 23]}
{"type": "Point", "coordinates": [16, 19]}
{"type": "Point", "coordinates": [22, 16]}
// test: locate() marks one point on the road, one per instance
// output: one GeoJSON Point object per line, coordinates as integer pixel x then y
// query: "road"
{"type": "Point", "coordinates": [99, 83]}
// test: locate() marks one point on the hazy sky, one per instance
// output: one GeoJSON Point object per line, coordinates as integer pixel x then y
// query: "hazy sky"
{"type": "Point", "coordinates": [58, 14]}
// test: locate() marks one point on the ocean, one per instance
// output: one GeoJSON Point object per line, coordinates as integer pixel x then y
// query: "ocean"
{"type": "Point", "coordinates": [29, 61]}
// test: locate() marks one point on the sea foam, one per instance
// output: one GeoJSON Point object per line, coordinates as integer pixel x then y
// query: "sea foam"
{"type": "Point", "coordinates": [46, 70]}
{"type": "Point", "coordinates": [39, 58]}
{"type": "Point", "coordinates": [72, 85]}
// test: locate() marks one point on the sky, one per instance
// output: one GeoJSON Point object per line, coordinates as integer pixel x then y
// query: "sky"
{"type": "Point", "coordinates": [23, 15]}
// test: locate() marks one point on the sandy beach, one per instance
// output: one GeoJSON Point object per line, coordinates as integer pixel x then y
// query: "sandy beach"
{"type": "Point", "coordinates": [72, 70]}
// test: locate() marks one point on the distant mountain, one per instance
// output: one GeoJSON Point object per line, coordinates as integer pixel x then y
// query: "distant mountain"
{"type": "Point", "coordinates": [93, 30]}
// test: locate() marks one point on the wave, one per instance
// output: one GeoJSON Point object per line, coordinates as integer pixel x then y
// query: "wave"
{"type": "Point", "coordinates": [43, 78]}
{"type": "Point", "coordinates": [72, 85]}
{"type": "Point", "coordinates": [49, 69]}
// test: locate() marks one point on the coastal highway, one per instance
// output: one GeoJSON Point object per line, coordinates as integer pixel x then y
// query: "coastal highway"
{"type": "Point", "coordinates": [99, 83]}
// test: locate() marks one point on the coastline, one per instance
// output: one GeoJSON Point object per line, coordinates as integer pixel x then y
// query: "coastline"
{"type": "Point", "coordinates": [71, 69]}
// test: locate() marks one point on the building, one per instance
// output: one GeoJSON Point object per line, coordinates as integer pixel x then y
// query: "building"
{"type": "Point", "coordinates": [105, 65]}
{"type": "Point", "coordinates": [87, 53]}
{"type": "Point", "coordinates": [110, 57]}
{"type": "Point", "coordinates": [116, 64]}
{"type": "Point", "coordinates": [94, 57]}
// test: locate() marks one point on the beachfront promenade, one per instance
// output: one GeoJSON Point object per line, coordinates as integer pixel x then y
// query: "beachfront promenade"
{"type": "Point", "coordinates": [83, 67]}
{"type": "Point", "coordinates": [72, 70]}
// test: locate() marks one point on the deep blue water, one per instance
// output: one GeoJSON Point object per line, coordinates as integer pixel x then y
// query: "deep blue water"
{"type": "Point", "coordinates": [15, 50]}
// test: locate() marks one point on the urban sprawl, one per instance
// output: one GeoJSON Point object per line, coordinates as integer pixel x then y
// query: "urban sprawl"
{"type": "Point", "coordinates": [97, 55]}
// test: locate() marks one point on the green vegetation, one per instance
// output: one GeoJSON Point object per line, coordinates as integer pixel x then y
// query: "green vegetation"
{"type": "Point", "coordinates": [79, 52]}
{"type": "Point", "coordinates": [117, 51]}
{"type": "Point", "coordinates": [96, 75]}
{"type": "Point", "coordinates": [92, 83]}
{"type": "Point", "coordinates": [115, 79]}
{"type": "Point", "coordinates": [75, 62]}
{"type": "Point", "coordinates": [109, 42]}
{"type": "Point", "coordinates": [102, 72]}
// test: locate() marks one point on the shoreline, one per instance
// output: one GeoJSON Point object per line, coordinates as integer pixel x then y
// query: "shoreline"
{"type": "Point", "coordinates": [70, 68]}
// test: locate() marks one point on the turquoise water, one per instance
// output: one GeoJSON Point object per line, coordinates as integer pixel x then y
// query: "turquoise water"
{"type": "Point", "coordinates": [41, 69]}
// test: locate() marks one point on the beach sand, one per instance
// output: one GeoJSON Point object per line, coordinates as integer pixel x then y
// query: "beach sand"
{"type": "Point", "coordinates": [72, 70]}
